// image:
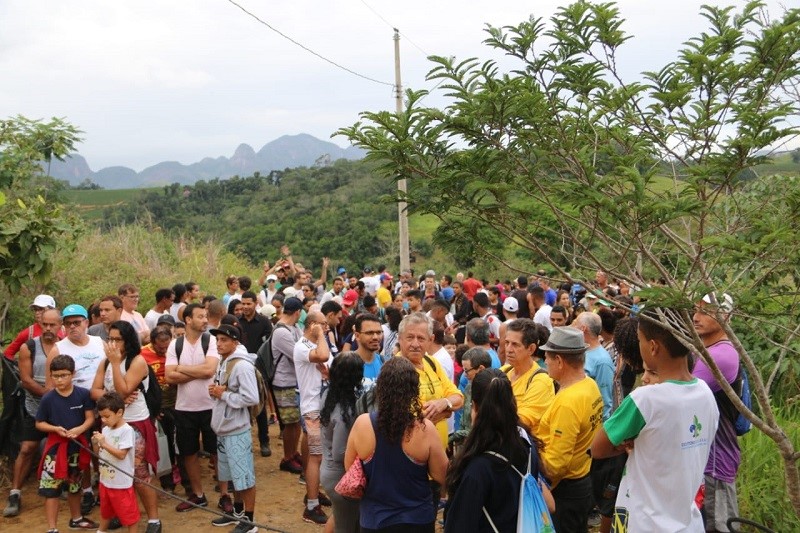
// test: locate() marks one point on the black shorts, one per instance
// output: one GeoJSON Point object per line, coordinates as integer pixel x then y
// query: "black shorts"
{"type": "Point", "coordinates": [189, 425]}
{"type": "Point", "coordinates": [28, 431]}
{"type": "Point", "coordinates": [606, 475]}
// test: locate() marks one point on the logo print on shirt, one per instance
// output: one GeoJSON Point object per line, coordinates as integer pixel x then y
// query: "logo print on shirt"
{"type": "Point", "coordinates": [695, 428]}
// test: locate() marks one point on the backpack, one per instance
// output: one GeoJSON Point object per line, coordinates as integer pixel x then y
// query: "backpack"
{"type": "Point", "coordinates": [265, 359]}
{"type": "Point", "coordinates": [152, 395]}
{"type": "Point", "coordinates": [256, 409]}
{"type": "Point", "coordinates": [532, 515]}
{"type": "Point", "coordinates": [205, 340]}
{"type": "Point", "coordinates": [741, 385]}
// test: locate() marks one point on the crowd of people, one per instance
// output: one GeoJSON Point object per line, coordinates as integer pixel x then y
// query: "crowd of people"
{"type": "Point", "coordinates": [442, 388]}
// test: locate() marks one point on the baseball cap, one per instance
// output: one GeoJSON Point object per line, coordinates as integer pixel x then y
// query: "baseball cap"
{"type": "Point", "coordinates": [272, 277]}
{"type": "Point", "coordinates": [268, 310]}
{"type": "Point", "coordinates": [289, 292]}
{"type": "Point", "coordinates": [292, 305]}
{"type": "Point", "coordinates": [386, 276]}
{"type": "Point", "coordinates": [44, 300]}
{"type": "Point", "coordinates": [350, 297]}
{"type": "Point", "coordinates": [511, 304]}
{"type": "Point", "coordinates": [228, 330]}
{"type": "Point", "coordinates": [74, 310]}
{"type": "Point", "coordinates": [341, 270]}
{"type": "Point", "coordinates": [367, 269]}
{"type": "Point", "coordinates": [724, 301]}
{"type": "Point", "coordinates": [166, 319]}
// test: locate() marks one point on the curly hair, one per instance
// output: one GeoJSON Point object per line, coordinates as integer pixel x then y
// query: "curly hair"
{"type": "Point", "coordinates": [346, 374]}
{"type": "Point", "coordinates": [397, 394]}
{"type": "Point", "coordinates": [626, 340]}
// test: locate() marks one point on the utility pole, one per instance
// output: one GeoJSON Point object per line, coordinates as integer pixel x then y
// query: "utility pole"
{"type": "Point", "coordinates": [402, 214]}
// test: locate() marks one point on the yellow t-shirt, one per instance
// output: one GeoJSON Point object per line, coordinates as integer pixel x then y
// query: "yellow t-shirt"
{"type": "Point", "coordinates": [383, 297]}
{"type": "Point", "coordinates": [534, 394]}
{"type": "Point", "coordinates": [567, 429]}
{"type": "Point", "coordinates": [434, 384]}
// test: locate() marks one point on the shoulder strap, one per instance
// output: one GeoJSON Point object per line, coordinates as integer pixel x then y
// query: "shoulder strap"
{"type": "Point", "coordinates": [489, 519]}
{"type": "Point", "coordinates": [229, 369]}
{"type": "Point", "coordinates": [530, 379]}
{"type": "Point", "coordinates": [502, 457]}
{"type": "Point", "coordinates": [205, 340]}
{"type": "Point", "coordinates": [430, 362]}
{"type": "Point", "coordinates": [179, 347]}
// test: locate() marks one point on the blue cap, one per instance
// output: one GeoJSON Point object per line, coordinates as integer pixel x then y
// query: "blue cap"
{"type": "Point", "coordinates": [341, 270]}
{"type": "Point", "coordinates": [74, 310]}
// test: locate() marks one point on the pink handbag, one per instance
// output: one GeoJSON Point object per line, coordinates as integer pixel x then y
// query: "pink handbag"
{"type": "Point", "coordinates": [353, 482]}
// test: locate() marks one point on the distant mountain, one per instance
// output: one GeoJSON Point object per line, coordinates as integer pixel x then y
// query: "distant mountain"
{"type": "Point", "coordinates": [289, 151]}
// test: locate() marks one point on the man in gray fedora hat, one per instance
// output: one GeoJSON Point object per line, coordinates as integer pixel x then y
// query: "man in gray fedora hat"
{"type": "Point", "coordinates": [567, 429]}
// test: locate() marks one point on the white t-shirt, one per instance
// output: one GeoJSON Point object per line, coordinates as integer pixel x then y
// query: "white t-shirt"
{"type": "Point", "coordinates": [111, 468]}
{"type": "Point", "coordinates": [443, 356]}
{"type": "Point", "coordinates": [309, 379]}
{"type": "Point", "coordinates": [371, 284]}
{"type": "Point", "coordinates": [87, 359]}
{"type": "Point", "coordinates": [193, 395]}
{"type": "Point", "coordinates": [137, 321]}
{"type": "Point", "coordinates": [136, 410]}
{"type": "Point", "coordinates": [542, 317]}
{"type": "Point", "coordinates": [673, 424]}
{"type": "Point", "coordinates": [151, 318]}
{"type": "Point", "coordinates": [494, 325]}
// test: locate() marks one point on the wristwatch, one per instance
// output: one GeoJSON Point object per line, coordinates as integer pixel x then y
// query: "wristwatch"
{"type": "Point", "coordinates": [449, 404]}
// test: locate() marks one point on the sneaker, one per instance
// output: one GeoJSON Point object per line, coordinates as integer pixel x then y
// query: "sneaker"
{"type": "Point", "coordinates": [273, 419]}
{"type": "Point", "coordinates": [153, 527]}
{"type": "Point", "coordinates": [114, 524]}
{"type": "Point", "coordinates": [87, 503]}
{"type": "Point", "coordinates": [227, 520]}
{"type": "Point", "coordinates": [315, 516]}
{"type": "Point", "coordinates": [12, 509]}
{"type": "Point", "coordinates": [291, 465]}
{"type": "Point", "coordinates": [245, 527]}
{"type": "Point", "coordinates": [323, 499]}
{"type": "Point", "coordinates": [226, 504]}
{"type": "Point", "coordinates": [265, 450]}
{"type": "Point", "coordinates": [302, 479]}
{"type": "Point", "coordinates": [82, 523]}
{"type": "Point", "coordinates": [193, 499]}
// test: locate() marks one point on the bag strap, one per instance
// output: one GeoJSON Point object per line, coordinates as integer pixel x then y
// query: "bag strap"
{"type": "Point", "coordinates": [509, 462]}
{"type": "Point", "coordinates": [489, 518]}
{"type": "Point", "coordinates": [430, 362]}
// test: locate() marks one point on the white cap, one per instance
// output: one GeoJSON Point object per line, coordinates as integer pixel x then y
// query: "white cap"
{"type": "Point", "coordinates": [44, 300]}
{"type": "Point", "coordinates": [268, 310]}
{"type": "Point", "coordinates": [289, 292]}
{"type": "Point", "coordinates": [724, 301]}
{"type": "Point", "coordinates": [511, 305]}
{"type": "Point", "coordinates": [272, 277]}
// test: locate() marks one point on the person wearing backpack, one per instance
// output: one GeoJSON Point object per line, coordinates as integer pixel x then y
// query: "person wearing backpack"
{"type": "Point", "coordinates": [235, 390]}
{"type": "Point", "coordinates": [533, 388]}
{"type": "Point", "coordinates": [191, 364]}
{"type": "Point", "coordinates": [483, 482]}
{"type": "Point", "coordinates": [32, 362]}
{"type": "Point", "coordinates": [723, 462]}
{"type": "Point", "coordinates": [123, 372]}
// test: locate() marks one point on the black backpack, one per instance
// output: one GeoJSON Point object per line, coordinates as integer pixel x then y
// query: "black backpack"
{"type": "Point", "coordinates": [152, 395]}
{"type": "Point", "coordinates": [205, 340]}
{"type": "Point", "coordinates": [265, 360]}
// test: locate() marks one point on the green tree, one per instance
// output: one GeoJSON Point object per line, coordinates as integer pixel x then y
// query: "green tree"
{"type": "Point", "coordinates": [32, 227]}
{"type": "Point", "coordinates": [638, 178]}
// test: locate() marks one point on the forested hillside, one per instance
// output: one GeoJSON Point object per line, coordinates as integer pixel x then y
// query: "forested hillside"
{"type": "Point", "coordinates": [330, 211]}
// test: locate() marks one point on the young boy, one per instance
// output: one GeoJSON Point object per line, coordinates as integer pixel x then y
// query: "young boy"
{"type": "Point", "coordinates": [65, 414]}
{"type": "Point", "coordinates": [672, 422]}
{"type": "Point", "coordinates": [115, 448]}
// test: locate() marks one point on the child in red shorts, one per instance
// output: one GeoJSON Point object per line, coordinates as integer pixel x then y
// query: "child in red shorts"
{"type": "Point", "coordinates": [115, 446]}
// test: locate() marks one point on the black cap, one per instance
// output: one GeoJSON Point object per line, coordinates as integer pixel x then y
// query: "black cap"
{"type": "Point", "coordinates": [292, 305]}
{"type": "Point", "coordinates": [166, 319]}
{"type": "Point", "coordinates": [227, 330]}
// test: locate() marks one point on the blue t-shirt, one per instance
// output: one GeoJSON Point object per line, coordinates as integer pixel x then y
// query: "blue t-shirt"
{"type": "Point", "coordinates": [600, 368]}
{"type": "Point", "coordinates": [65, 411]}
{"type": "Point", "coordinates": [448, 293]}
{"type": "Point", "coordinates": [371, 371]}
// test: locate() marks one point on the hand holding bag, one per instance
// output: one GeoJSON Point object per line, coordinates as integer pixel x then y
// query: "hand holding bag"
{"type": "Point", "coordinates": [353, 482]}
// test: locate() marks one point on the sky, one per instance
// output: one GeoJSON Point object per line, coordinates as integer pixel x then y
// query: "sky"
{"type": "Point", "coordinates": [152, 81]}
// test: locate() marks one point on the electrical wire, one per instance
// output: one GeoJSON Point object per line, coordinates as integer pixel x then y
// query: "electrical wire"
{"type": "Point", "coordinates": [309, 50]}
{"type": "Point", "coordinates": [395, 28]}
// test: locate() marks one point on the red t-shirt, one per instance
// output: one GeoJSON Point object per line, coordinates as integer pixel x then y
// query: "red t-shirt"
{"type": "Point", "coordinates": [471, 287]}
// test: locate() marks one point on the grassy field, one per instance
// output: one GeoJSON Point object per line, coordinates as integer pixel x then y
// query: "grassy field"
{"type": "Point", "coordinates": [92, 203]}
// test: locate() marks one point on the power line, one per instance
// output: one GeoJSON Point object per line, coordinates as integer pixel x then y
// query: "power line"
{"type": "Point", "coordinates": [394, 27]}
{"type": "Point", "coordinates": [309, 50]}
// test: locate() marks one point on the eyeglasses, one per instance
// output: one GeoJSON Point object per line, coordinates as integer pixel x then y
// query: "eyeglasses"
{"type": "Point", "coordinates": [73, 323]}
{"type": "Point", "coordinates": [37, 309]}
{"type": "Point", "coordinates": [61, 376]}
{"type": "Point", "coordinates": [132, 296]}
{"type": "Point", "coordinates": [468, 370]}
{"type": "Point", "coordinates": [116, 339]}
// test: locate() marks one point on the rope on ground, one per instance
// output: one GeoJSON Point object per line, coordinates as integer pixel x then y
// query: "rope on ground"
{"type": "Point", "coordinates": [175, 496]}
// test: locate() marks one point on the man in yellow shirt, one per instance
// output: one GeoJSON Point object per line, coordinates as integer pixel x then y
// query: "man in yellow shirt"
{"type": "Point", "coordinates": [533, 388]}
{"type": "Point", "coordinates": [567, 429]}
{"type": "Point", "coordinates": [384, 293]}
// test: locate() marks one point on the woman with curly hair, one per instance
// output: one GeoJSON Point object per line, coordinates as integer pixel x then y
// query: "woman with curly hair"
{"type": "Point", "coordinates": [337, 417]}
{"type": "Point", "coordinates": [399, 449]}
{"type": "Point", "coordinates": [480, 483]}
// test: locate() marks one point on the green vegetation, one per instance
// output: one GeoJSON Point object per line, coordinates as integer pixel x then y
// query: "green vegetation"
{"type": "Point", "coordinates": [92, 203]}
